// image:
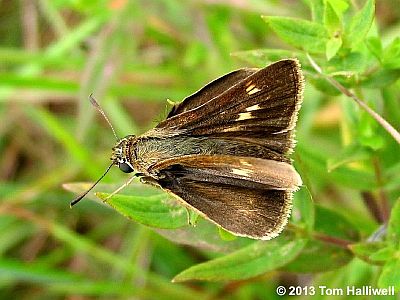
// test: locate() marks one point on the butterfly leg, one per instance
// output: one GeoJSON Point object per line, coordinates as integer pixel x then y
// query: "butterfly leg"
{"type": "Point", "coordinates": [191, 217]}
{"type": "Point", "coordinates": [120, 188]}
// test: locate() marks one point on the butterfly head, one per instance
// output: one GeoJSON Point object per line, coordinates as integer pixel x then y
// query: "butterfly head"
{"type": "Point", "coordinates": [120, 157]}
{"type": "Point", "coordinates": [121, 154]}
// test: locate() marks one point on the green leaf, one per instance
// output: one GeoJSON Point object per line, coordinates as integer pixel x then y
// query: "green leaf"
{"type": "Point", "coordinates": [322, 85]}
{"type": "Point", "coordinates": [152, 93]}
{"type": "Point", "coordinates": [302, 34]}
{"type": "Point", "coordinates": [193, 216]}
{"type": "Point", "coordinates": [96, 289]}
{"type": "Point", "coordinates": [317, 10]}
{"type": "Point", "coordinates": [332, 47]}
{"type": "Point", "coordinates": [331, 19]}
{"type": "Point", "coordinates": [349, 154]}
{"type": "Point", "coordinates": [315, 163]}
{"type": "Point", "coordinates": [392, 176]}
{"type": "Point", "coordinates": [83, 31]}
{"type": "Point", "coordinates": [204, 235]}
{"type": "Point", "coordinates": [356, 273]}
{"type": "Point", "coordinates": [137, 189]}
{"type": "Point", "coordinates": [339, 6]}
{"type": "Point", "coordinates": [318, 257]}
{"type": "Point", "coordinates": [33, 272]}
{"type": "Point", "coordinates": [256, 259]}
{"type": "Point", "coordinates": [39, 83]}
{"type": "Point", "coordinates": [390, 275]}
{"type": "Point", "coordinates": [346, 176]}
{"type": "Point", "coordinates": [321, 256]}
{"type": "Point", "coordinates": [79, 188]}
{"type": "Point", "coordinates": [394, 224]}
{"type": "Point", "coordinates": [372, 140]}
{"type": "Point", "coordinates": [360, 24]}
{"type": "Point", "coordinates": [349, 63]}
{"type": "Point", "coordinates": [153, 207]}
{"type": "Point", "coordinates": [383, 254]}
{"type": "Point", "coordinates": [381, 78]}
{"type": "Point", "coordinates": [304, 204]}
{"type": "Point", "coordinates": [391, 55]}
{"type": "Point", "coordinates": [226, 235]}
{"type": "Point", "coordinates": [374, 45]}
{"type": "Point", "coordinates": [334, 224]}
{"type": "Point", "coordinates": [371, 252]}
{"type": "Point", "coordinates": [158, 211]}
{"type": "Point", "coordinates": [368, 132]}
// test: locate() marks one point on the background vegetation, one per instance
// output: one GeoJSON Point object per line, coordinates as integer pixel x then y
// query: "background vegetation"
{"type": "Point", "coordinates": [133, 55]}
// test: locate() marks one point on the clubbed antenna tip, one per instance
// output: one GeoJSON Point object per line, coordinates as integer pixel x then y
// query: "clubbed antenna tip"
{"type": "Point", "coordinates": [98, 107]}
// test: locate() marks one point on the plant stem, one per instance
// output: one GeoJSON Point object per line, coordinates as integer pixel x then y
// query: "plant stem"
{"type": "Point", "coordinates": [342, 243]}
{"type": "Point", "coordinates": [385, 124]}
{"type": "Point", "coordinates": [332, 240]}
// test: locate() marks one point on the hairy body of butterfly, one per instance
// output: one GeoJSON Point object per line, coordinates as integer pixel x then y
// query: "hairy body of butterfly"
{"type": "Point", "coordinates": [224, 150]}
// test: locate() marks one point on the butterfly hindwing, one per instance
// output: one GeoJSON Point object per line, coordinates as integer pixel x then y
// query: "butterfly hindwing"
{"type": "Point", "coordinates": [244, 195]}
{"type": "Point", "coordinates": [273, 174]}
{"type": "Point", "coordinates": [241, 207]}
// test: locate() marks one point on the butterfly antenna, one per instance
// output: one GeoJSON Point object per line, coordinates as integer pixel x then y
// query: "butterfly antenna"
{"type": "Point", "coordinates": [98, 107]}
{"type": "Point", "coordinates": [79, 198]}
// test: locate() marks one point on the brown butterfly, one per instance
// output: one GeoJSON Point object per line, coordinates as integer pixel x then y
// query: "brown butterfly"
{"type": "Point", "coordinates": [223, 151]}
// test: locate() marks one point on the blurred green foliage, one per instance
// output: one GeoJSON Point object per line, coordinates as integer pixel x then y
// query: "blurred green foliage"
{"type": "Point", "coordinates": [133, 55]}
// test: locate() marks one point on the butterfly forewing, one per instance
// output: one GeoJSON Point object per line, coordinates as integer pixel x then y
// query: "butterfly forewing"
{"type": "Point", "coordinates": [260, 110]}
{"type": "Point", "coordinates": [266, 100]}
{"type": "Point", "coordinates": [211, 90]}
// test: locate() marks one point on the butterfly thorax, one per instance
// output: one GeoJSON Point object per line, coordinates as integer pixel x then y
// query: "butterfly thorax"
{"type": "Point", "coordinates": [143, 152]}
{"type": "Point", "coordinates": [146, 151]}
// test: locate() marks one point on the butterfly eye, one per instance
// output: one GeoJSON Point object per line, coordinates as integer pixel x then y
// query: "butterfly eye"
{"type": "Point", "coordinates": [124, 167]}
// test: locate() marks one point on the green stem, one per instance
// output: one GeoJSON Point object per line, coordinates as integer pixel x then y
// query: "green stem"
{"type": "Point", "coordinates": [385, 124]}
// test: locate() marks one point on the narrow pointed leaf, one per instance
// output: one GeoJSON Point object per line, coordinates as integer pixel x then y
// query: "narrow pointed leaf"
{"type": "Point", "coordinates": [390, 275]}
{"type": "Point", "coordinates": [301, 34]}
{"type": "Point", "coordinates": [253, 260]}
{"type": "Point", "coordinates": [394, 223]}
{"type": "Point", "coordinates": [360, 24]}
{"type": "Point", "coordinates": [158, 211]}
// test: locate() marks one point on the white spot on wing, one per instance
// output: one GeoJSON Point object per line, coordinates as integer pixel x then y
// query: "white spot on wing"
{"type": "Point", "coordinates": [254, 107]}
{"type": "Point", "coordinates": [244, 116]}
{"type": "Point", "coordinates": [232, 129]}
{"type": "Point", "coordinates": [282, 131]}
{"type": "Point", "coordinates": [242, 172]}
{"type": "Point", "coordinates": [250, 88]}
{"type": "Point", "coordinates": [253, 91]}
